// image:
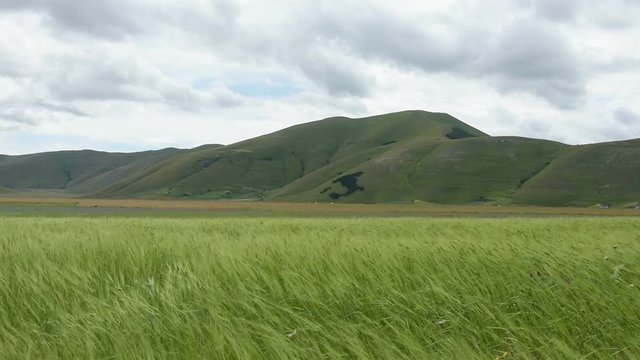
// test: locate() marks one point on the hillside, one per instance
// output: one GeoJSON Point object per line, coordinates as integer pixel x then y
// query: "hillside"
{"type": "Point", "coordinates": [460, 171]}
{"type": "Point", "coordinates": [255, 167]}
{"type": "Point", "coordinates": [607, 173]}
{"type": "Point", "coordinates": [74, 171]}
{"type": "Point", "coordinates": [399, 157]}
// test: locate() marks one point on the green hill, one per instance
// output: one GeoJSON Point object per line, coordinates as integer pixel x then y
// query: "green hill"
{"type": "Point", "coordinates": [256, 167]}
{"type": "Point", "coordinates": [74, 171]}
{"type": "Point", "coordinates": [607, 173]}
{"type": "Point", "coordinates": [460, 171]}
{"type": "Point", "coordinates": [399, 157]}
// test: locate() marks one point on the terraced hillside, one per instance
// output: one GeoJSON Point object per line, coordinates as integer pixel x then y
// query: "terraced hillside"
{"type": "Point", "coordinates": [399, 157]}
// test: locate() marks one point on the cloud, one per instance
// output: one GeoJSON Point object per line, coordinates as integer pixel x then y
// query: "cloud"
{"type": "Point", "coordinates": [613, 14]}
{"type": "Point", "coordinates": [35, 114]}
{"type": "Point", "coordinates": [7, 126]}
{"type": "Point", "coordinates": [325, 43]}
{"type": "Point", "coordinates": [618, 65]}
{"type": "Point", "coordinates": [118, 19]}
{"type": "Point", "coordinates": [524, 56]}
{"type": "Point", "coordinates": [113, 18]}
{"type": "Point", "coordinates": [61, 109]}
{"type": "Point", "coordinates": [627, 117]}
{"type": "Point", "coordinates": [376, 32]}
{"type": "Point", "coordinates": [201, 66]}
{"type": "Point", "coordinates": [608, 14]}
{"type": "Point", "coordinates": [560, 11]}
{"type": "Point", "coordinates": [532, 58]}
{"type": "Point", "coordinates": [335, 73]}
{"type": "Point", "coordinates": [19, 116]}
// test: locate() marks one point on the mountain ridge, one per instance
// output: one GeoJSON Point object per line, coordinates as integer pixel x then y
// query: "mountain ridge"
{"type": "Point", "coordinates": [397, 157]}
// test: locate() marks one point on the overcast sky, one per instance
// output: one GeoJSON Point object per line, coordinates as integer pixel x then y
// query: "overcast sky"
{"type": "Point", "coordinates": [126, 75]}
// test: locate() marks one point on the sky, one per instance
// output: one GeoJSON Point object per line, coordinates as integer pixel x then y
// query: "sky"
{"type": "Point", "coordinates": [130, 75]}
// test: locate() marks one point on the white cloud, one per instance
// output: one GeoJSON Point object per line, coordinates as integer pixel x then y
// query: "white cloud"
{"type": "Point", "coordinates": [114, 74]}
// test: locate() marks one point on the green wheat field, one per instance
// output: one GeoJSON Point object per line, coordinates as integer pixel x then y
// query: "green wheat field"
{"type": "Point", "coordinates": [315, 288]}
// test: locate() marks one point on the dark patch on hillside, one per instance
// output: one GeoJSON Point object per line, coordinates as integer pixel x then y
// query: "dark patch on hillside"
{"type": "Point", "coordinates": [458, 133]}
{"type": "Point", "coordinates": [303, 168]}
{"type": "Point", "coordinates": [350, 182]}
{"type": "Point", "coordinates": [480, 199]}
{"type": "Point", "coordinates": [205, 163]}
{"type": "Point", "coordinates": [67, 174]}
{"type": "Point", "coordinates": [325, 190]}
{"type": "Point", "coordinates": [521, 182]}
{"type": "Point", "coordinates": [389, 143]}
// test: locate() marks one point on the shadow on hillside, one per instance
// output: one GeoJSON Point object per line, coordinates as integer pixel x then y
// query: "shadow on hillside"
{"type": "Point", "coordinates": [350, 182]}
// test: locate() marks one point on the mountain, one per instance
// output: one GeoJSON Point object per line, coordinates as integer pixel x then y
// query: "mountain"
{"type": "Point", "coordinates": [255, 168]}
{"type": "Point", "coordinates": [75, 171]}
{"type": "Point", "coordinates": [607, 173]}
{"type": "Point", "coordinates": [399, 157]}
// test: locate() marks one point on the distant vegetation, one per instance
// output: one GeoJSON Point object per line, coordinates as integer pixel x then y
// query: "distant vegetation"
{"type": "Point", "coordinates": [400, 157]}
{"type": "Point", "coordinates": [75, 171]}
{"type": "Point", "coordinates": [318, 288]}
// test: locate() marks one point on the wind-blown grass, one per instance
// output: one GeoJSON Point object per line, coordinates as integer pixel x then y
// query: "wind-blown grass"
{"type": "Point", "coordinates": [319, 288]}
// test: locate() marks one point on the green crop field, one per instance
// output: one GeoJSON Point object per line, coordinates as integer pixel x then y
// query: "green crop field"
{"type": "Point", "coordinates": [316, 288]}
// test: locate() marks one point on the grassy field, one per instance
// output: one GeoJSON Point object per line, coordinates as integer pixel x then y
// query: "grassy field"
{"type": "Point", "coordinates": [275, 288]}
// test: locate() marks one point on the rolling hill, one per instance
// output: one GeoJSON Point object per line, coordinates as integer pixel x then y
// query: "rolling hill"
{"type": "Point", "coordinates": [399, 157]}
{"type": "Point", "coordinates": [256, 167]}
{"type": "Point", "coordinates": [74, 171]}
{"type": "Point", "coordinates": [606, 173]}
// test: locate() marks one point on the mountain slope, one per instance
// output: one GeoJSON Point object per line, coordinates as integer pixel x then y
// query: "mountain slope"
{"type": "Point", "coordinates": [254, 167]}
{"type": "Point", "coordinates": [399, 157]}
{"type": "Point", "coordinates": [73, 171]}
{"type": "Point", "coordinates": [607, 173]}
{"type": "Point", "coordinates": [467, 170]}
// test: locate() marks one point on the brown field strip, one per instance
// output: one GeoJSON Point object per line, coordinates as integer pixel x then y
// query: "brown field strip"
{"type": "Point", "coordinates": [313, 208]}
